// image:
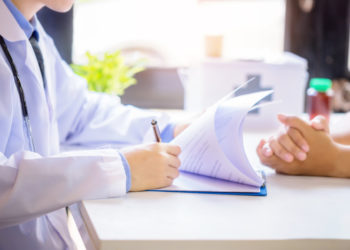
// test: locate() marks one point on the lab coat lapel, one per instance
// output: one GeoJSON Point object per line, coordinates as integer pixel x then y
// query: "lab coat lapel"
{"type": "Point", "coordinates": [32, 63]}
{"type": "Point", "coordinates": [48, 61]}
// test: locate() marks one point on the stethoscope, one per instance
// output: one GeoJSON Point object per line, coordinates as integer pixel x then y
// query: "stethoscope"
{"type": "Point", "coordinates": [26, 120]}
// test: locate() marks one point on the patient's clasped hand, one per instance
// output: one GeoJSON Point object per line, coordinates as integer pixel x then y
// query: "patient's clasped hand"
{"type": "Point", "coordinates": [307, 148]}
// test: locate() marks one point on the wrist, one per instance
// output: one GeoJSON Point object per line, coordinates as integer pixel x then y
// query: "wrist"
{"type": "Point", "coordinates": [342, 161]}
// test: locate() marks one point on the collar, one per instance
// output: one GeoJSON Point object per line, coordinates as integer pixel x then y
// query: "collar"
{"type": "Point", "coordinates": [27, 27]}
{"type": "Point", "coordinates": [10, 30]}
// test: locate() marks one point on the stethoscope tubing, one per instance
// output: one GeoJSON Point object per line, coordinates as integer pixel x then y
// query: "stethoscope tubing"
{"type": "Point", "coordinates": [26, 121]}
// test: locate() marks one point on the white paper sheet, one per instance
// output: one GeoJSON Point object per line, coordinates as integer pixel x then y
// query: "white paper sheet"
{"type": "Point", "coordinates": [213, 146]}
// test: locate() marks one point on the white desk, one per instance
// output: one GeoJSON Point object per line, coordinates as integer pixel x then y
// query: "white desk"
{"type": "Point", "coordinates": [298, 213]}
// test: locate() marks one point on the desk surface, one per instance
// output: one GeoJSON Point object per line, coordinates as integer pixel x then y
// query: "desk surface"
{"type": "Point", "coordinates": [298, 213]}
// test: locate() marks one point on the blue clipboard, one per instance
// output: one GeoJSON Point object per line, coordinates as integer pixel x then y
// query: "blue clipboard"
{"type": "Point", "coordinates": [193, 183]}
{"type": "Point", "coordinates": [263, 192]}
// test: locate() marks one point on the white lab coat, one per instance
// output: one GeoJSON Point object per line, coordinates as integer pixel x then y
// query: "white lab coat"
{"type": "Point", "coordinates": [35, 187]}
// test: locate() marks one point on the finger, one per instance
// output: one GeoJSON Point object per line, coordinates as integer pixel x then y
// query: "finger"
{"type": "Point", "coordinates": [173, 149]}
{"type": "Point", "coordinates": [282, 118]}
{"type": "Point", "coordinates": [280, 151]}
{"type": "Point", "coordinates": [260, 145]}
{"type": "Point", "coordinates": [287, 143]}
{"type": "Point", "coordinates": [259, 150]}
{"type": "Point", "coordinates": [267, 151]}
{"type": "Point", "coordinates": [168, 182]}
{"type": "Point", "coordinates": [260, 153]}
{"type": "Point", "coordinates": [275, 163]}
{"type": "Point", "coordinates": [172, 173]}
{"type": "Point", "coordinates": [294, 122]}
{"type": "Point", "coordinates": [298, 139]}
{"type": "Point", "coordinates": [174, 161]}
{"type": "Point", "coordinates": [264, 148]}
{"type": "Point", "coordinates": [320, 123]}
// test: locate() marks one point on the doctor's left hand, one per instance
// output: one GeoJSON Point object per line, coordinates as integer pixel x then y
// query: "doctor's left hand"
{"type": "Point", "coordinates": [153, 165]}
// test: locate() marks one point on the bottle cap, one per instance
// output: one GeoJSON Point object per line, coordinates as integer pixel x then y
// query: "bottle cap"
{"type": "Point", "coordinates": [321, 84]}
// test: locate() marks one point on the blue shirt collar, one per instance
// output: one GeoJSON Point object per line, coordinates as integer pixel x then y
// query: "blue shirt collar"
{"type": "Point", "coordinates": [28, 28]}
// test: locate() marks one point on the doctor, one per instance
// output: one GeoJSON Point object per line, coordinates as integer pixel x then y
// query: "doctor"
{"type": "Point", "coordinates": [43, 104]}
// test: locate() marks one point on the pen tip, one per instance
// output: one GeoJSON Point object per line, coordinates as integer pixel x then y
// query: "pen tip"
{"type": "Point", "coordinates": [154, 122]}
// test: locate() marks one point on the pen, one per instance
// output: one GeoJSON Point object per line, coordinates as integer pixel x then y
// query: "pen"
{"type": "Point", "coordinates": [156, 130]}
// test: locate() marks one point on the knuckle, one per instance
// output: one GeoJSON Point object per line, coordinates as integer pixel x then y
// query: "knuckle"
{"type": "Point", "coordinates": [177, 173]}
{"type": "Point", "coordinates": [282, 138]}
{"type": "Point", "coordinates": [275, 146]}
{"type": "Point", "coordinates": [278, 151]}
{"type": "Point", "coordinates": [177, 149]}
{"type": "Point", "coordinates": [292, 132]}
{"type": "Point", "coordinates": [168, 182]}
{"type": "Point", "coordinates": [178, 162]}
{"type": "Point", "coordinates": [294, 150]}
{"type": "Point", "coordinates": [296, 136]}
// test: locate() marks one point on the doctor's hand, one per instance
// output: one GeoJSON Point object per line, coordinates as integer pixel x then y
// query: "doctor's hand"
{"type": "Point", "coordinates": [153, 165]}
{"type": "Point", "coordinates": [290, 143]}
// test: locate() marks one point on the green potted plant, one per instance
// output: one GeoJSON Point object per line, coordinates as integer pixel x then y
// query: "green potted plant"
{"type": "Point", "coordinates": [108, 74]}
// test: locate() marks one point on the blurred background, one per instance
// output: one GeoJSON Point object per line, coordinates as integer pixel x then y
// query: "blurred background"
{"type": "Point", "coordinates": [172, 32]}
{"type": "Point", "coordinates": [168, 35]}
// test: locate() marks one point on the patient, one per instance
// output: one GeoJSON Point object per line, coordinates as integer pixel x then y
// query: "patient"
{"type": "Point", "coordinates": [307, 148]}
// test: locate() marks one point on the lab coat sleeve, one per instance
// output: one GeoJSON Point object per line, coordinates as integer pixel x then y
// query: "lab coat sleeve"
{"type": "Point", "coordinates": [31, 185]}
{"type": "Point", "coordinates": [89, 118]}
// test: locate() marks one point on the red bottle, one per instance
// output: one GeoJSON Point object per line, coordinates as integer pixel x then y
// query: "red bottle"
{"type": "Point", "coordinates": [319, 97]}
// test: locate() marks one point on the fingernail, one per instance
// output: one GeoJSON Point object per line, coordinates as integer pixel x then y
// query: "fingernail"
{"type": "Point", "coordinates": [267, 152]}
{"type": "Point", "coordinates": [305, 148]}
{"type": "Point", "coordinates": [288, 157]}
{"type": "Point", "coordinates": [301, 156]}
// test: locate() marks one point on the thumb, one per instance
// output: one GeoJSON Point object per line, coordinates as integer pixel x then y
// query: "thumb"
{"type": "Point", "coordinates": [320, 123]}
{"type": "Point", "coordinates": [294, 122]}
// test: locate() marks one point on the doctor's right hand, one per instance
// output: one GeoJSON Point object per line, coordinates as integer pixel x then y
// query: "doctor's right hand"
{"type": "Point", "coordinates": [153, 165]}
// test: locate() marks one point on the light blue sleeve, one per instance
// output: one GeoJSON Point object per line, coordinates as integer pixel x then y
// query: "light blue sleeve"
{"type": "Point", "coordinates": [168, 132]}
{"type": "Point", "coordinates": [127, 172]}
